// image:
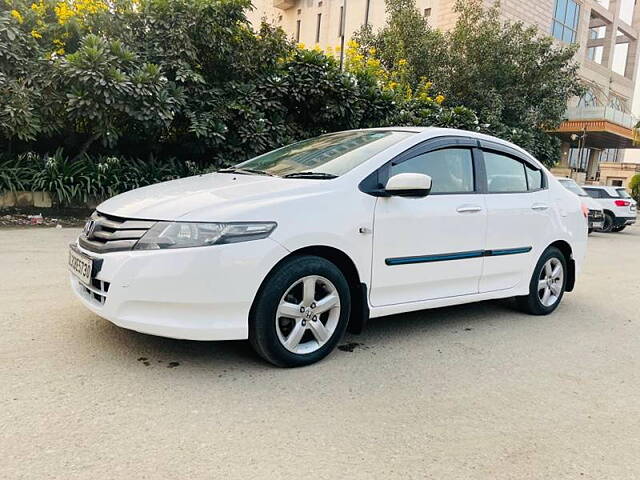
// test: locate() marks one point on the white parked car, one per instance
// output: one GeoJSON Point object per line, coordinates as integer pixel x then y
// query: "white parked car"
{"type": "Point", "coordinates": [619, 208]}
{"type": "Point", "coordinates": [294, 247]}
{"type": "Point", "coordinates": [596, 212]}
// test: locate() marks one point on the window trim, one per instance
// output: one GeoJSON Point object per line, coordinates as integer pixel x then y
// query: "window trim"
{"type": "Point", "coordinates": [374, 183]}
{"type": "Point", "coordinates": [507, 151]}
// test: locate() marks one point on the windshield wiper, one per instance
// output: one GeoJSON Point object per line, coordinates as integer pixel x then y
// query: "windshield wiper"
{"type": "Point", "coordinates": [246, 171]}
{"type": "Point", "coordinates": [322, 175]}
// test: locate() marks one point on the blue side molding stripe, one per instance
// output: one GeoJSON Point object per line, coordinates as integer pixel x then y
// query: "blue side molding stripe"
{"type": "Point", "coordinates": [442, 257]}
{"type": "Point", "coordinates": [508, 251]}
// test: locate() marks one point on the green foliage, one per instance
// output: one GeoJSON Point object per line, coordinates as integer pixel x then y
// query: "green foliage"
{"type": "Point", "coordinates": [132, 92]}
{"type": "Point", "coordinates": [634, 186]}
{"type": "Point", "coordinates": [16, 173]}
{"type": "Point", "coordinates": [407, 39]}
{"type": "Point", "coordinates": [515, 78]}
{"type": "Point", "coordinates": [77, 181]}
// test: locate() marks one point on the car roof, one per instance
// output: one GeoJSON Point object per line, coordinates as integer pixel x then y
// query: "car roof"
{"type": "Point", "coordinates": [429, 132]}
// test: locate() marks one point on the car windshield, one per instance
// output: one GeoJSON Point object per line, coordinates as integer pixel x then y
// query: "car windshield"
{"type": "Point", "coordinates": [573, 187]}
{"type": "Point", "coordinates": [324, 157]}
{"type": "Point", "coordinates": [623, 193]}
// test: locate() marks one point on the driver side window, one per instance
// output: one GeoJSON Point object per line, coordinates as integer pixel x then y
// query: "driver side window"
{"type": "Point", "coordinates": [451, 169]}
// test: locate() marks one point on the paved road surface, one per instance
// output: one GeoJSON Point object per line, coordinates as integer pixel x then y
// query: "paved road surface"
{"type": "Point", "coordinates": [471, 392]}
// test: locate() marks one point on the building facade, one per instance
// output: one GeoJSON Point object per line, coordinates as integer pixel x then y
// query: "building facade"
{"type": "Point", "coordinates": [599, 126]}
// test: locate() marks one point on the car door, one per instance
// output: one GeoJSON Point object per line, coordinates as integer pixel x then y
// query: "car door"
{"type": "Point", "coordinates": [518, 217]}
{"type": "Point", "coordinates": [430, 247]}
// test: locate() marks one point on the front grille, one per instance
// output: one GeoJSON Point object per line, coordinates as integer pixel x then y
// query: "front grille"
{"type": "Point", "coordinates": [106, 233]}
{"type": "Point", "coordinates": [596, 215]}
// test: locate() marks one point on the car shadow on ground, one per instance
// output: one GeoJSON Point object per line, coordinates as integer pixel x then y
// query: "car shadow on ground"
{"type": "Point", "coordinates": [150, 350]}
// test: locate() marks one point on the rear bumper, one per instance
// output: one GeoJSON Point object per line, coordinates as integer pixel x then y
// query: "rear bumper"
{"type": "Point", "coordinates": [193, 293]}
{"type": "Point", "coordinates": [620, 221]}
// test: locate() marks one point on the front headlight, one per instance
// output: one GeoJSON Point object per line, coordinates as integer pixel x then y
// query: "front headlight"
{"type": "Point", "coordinates": [182, 234]}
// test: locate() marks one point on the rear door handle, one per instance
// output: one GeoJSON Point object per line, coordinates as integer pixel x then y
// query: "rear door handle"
{"type": "Point", "coordinates": [468, 208]}
{"type": "Point", "coordinates": [539, 206]}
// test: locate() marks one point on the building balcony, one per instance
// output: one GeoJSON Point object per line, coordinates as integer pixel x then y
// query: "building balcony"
{"type": "Point", "coordinates": [608, 114]}
{"type": "Point", "coordinates": [602, 127]}
{"type": "Point", "coordinates": [284, 4]}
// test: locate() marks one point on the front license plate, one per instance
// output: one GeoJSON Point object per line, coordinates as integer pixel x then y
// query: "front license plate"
{"type": "Point", "coordinates": [80, 265]}
{"type": "Point", "coordinates": [597, 225]}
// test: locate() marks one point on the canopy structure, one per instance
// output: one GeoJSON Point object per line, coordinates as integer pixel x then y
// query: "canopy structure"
{"type": "Point", "coordinates": [599, 127]}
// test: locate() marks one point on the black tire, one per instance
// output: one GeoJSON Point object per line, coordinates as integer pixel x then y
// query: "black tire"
{"type": "Point", "coordinates": [532, 304]}
{"type": "Point", "coordinates": [590, 231]}
{"type": "Point", "coordinates": [618, 229]}
{"type": "Point", "coordinates": [609, 219]}
{"type": "Point", "coordinates": [263, 335]}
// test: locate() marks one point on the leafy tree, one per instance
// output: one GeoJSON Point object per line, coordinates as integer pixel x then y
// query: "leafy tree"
{"type": "Point", "coordinates": [517, 80]}
{"type": "Point", "coordinates": [634, 186]}
{"type": "Point", "coordinates": [407, 42]}
{"type": "Point", "coordinates": [190, 79]}
{"type": "Point", "coordinates": [111, 92]}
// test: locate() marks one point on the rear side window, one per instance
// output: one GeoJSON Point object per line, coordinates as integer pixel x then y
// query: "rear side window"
{"type": "Point", "coordinates": [504, 174]}
{"type": "Point", "coordinates": [593, 192]}
{"type": "Point", "coordinates": [534, 178]}
{"type": "Point", "coordinates": [623, 193]}
{"type": "Point", "coordinates": [450, 169]}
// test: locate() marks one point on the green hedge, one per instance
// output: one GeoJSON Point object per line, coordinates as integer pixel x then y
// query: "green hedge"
{"type": "Point", "coordinates": [85, 179]}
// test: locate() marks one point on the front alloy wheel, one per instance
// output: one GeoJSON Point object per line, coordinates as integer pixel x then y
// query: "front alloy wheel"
{"type": "Point", "coordinates": [300, 312]}
{"type": "Point", "coordinates": [308, 314]}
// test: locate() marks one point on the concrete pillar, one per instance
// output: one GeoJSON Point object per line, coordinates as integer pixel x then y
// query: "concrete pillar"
{"type": "Point", "coordinates": [564, 155]}
{"type": "Point", "coordinates": [592, 163]}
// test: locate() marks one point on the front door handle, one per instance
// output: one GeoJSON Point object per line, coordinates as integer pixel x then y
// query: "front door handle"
{"type": "Point", "coordinates": [539, 206]}
{"type": "Point", "coordinates": [469, 208]}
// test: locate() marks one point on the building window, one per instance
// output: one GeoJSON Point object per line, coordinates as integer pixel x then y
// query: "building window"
{"type": "Point", "coordinates": [565, 20]}
{"type": "Point", "coordinates": [297, 30]}
{"type": "Point", "coordinates": [595, 54]}
{"type": "Point", "coordinates": [318, 28]}
{"type": "Point", "coordinates": [427, 12]}
{"type": "Point", "coordinates": [596, 33]}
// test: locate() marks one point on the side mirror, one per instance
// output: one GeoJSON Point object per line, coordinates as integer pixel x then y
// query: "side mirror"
{"type": "Point", "coordinates": [409, 185]}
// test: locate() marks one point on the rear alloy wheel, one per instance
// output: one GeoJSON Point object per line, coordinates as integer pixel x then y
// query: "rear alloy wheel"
{"type": "Point", "coordinates": [301, 312]}
{"type": "Point", "coordinates": [547, 284]}
{"type": "Point", "coordinates": [608, 222]}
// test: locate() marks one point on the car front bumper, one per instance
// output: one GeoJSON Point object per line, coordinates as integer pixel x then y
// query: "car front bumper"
{"type": "Point", "coordinates": [192, 293]}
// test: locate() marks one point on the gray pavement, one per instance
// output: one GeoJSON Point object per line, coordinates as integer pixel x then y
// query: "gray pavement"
{"type": "Point", "coordinates": [471, 392]}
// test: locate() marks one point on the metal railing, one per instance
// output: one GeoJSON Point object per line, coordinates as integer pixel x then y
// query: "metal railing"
{"type": "Point", "coordinates": [602, 113]}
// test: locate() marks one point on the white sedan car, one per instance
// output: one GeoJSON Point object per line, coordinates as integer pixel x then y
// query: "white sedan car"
{"type": "Point", "coordinates": [294, 247]}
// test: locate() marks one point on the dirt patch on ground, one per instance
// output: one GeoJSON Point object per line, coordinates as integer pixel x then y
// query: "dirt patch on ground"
{"type": "Point", "coordinates": [43, 217]}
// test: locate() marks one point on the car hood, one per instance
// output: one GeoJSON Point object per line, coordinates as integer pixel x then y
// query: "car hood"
{"type": "Point", "coordinates": [211, 197]}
